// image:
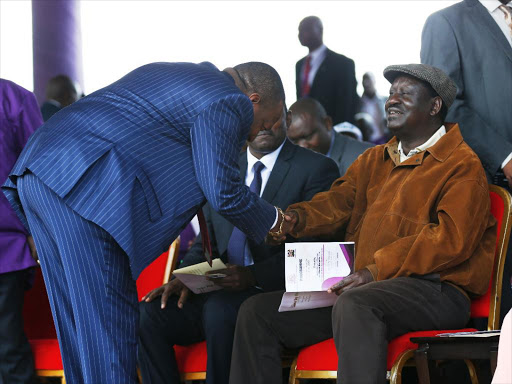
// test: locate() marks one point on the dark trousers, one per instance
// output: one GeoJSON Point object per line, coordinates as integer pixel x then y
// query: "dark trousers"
{"type": "Point", "coordinates": [210, 317]}
{"type": "Point", "coordinates": [362, 320]}
{"type": "Point", "coordinates": [16, 361]}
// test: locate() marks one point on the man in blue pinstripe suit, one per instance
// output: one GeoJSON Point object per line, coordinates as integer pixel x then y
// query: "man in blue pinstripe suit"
{"type": "Point", "coordinates": [111, 180]}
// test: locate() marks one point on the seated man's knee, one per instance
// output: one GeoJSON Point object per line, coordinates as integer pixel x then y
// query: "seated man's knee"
{"type": "Point", "coordinates": [218, 313]}
{"type": "Point", "coordinates": [348, 303]}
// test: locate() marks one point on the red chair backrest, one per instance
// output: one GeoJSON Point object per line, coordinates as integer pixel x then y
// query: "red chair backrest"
{"type": "Point", "coordinates": [37, 315]}
{"type": "Point", "coordinates": [481, 305]}
{"type": "Point", "coordinates": [152, 276]}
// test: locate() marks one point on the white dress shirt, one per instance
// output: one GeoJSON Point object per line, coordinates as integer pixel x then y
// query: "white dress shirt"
{"type": "Point", "coordinates": [317, 58]}
{"type": "Point", "coordinates": [269, 160]}
{"type": "Point", "coordinates": [427, 144]}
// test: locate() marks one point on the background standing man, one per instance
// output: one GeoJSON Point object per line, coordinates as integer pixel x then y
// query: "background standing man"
{"type": "Point", "coordinates": [101, 187]}
{"type": "Point", "coordinates": [472, 42]}
{"type": "Point", "coordinates": [325, 75]}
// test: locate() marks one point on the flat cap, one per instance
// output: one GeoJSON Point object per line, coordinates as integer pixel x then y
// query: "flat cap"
{"type": "Point", "coordinates": [438, 80]}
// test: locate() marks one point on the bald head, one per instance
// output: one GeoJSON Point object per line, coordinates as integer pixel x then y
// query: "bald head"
{"type": "Point", "coordinates": [311, 127]}
{"type": "Point", "coordinates": [263, 86]}
{"type": "Point", "coordinates": [311, 32]}
{"type": "Point", "coordinates": [260, 78]}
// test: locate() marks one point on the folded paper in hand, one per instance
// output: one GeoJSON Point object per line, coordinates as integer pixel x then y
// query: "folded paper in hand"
{"type": "Point", "coordinates": [194, 276]}
{"type": "Point", "coordinates": [311, 269]}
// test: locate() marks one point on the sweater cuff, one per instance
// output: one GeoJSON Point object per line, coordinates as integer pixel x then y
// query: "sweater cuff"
{"type": "Point", "coordinates": [301, 222]}
{"type": "Point", "coordinates": [373, 270]}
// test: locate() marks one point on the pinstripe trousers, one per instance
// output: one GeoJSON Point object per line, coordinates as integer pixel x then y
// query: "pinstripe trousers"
{"type": "Point", "coordinates": [92, 294]}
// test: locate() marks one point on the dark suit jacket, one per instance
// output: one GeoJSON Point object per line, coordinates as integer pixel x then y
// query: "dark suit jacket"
{"type": "Point", "coordinates": [346, 149]}
{"type": "Point", "coordinates": [298, 174]}
{"type": "Point", "coordinates": [334, 86]}
{"type": "Point", "coordinates": [142, 155]}
{"type": "Point", "coordinates": [48, 109]}
{"type": "Point", "coordinates": [465, 41]}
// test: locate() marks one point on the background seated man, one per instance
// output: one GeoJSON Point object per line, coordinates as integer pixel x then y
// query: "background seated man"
{"type": "Point", "coordinates": [289, 174]}
{"type": "Point", "coordinates": [311, 128]}
{"type": "Point", "coordinates": [418, 211]}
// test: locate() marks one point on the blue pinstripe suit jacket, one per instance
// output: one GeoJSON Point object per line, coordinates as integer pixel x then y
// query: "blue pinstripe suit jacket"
{"type": "Point", "coordinates": [140, 156]}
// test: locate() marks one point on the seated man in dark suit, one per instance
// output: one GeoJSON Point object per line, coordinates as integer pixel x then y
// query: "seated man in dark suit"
{"type": "Point", "coordinates": [282, 173]}
{"type": "Point", "coordinates": [311, 128]}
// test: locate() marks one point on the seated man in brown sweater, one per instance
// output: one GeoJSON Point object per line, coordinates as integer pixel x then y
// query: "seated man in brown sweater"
{"type": "Point", "coordinates": [418, 211]}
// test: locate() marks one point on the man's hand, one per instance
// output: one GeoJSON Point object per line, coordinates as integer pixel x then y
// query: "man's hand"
{"type": "Point", "coordinates": [173, 287]}
{"type": "Point", "coordinates": [289, 220]}
{"type": "Point", "coordinates": [507, 170]}
{"type": "Point", "coordinates": [32, 246]}
{"type": "Point", "coordinates": [357, 279]}
{"type": "Point", "coordinates": [237, 278]}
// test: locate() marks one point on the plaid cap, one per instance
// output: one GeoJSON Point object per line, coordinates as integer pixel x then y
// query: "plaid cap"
{"type": "Point", "coordinates": [438, 80]}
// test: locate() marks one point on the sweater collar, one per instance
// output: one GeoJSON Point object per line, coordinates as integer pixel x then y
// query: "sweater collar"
{"type": "Point", "coordinates": [440, 151]}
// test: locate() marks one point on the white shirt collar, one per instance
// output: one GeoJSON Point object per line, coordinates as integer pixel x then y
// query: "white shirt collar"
{"type": "Point", "coordinates": [269, 160]}
{"type": "Point", "coordinates": [427, 144]}
{"type": "Point", "coordinates": [491, 5]}
{"type": "Point", "coordinates": [320, 51]}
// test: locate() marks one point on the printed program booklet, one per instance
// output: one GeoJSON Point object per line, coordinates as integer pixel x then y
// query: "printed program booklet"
{"type": "Point", "coordinates": [311, 269]}
{"type": "Point", "coordinates": [194, 276]}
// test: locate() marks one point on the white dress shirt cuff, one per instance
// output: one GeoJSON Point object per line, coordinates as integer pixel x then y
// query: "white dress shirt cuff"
{"type": "Point", "coordinates": [275, 221]}
{"type": "Point", "coordinates": [509, 157]}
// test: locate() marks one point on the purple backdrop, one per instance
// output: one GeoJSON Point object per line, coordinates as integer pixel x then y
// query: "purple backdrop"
{"type": "Point", "coordinates": [57, 42]}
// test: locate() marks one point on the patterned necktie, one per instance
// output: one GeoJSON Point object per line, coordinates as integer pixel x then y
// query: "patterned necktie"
{"type": "Point", "coordinates": [238, 246]}
{"type": "Point", "coordinates": [305, 79]}
{"type": "Point", "coordinates": [508, 16]}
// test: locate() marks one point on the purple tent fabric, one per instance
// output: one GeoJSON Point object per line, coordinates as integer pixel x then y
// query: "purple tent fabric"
{"type": "Point", "coordinates": [57, 42]}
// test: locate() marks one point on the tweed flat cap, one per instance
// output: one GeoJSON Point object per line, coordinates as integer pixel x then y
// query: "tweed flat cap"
{"type": "Point", "coordinates": [438, 80]}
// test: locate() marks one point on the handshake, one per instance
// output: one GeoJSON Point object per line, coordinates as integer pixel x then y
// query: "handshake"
{"type": "Point", "coordinates": [286, 222]}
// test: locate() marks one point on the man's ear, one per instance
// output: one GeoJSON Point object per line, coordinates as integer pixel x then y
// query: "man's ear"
{"type": "Point", "coordinates": [288, 118]}
{"type": "Point", "coordinates": [255, 98]}
{"type": "Point", "coordinates": [328, 123]}
{"type": "Point", "coordinates": [437, 103]}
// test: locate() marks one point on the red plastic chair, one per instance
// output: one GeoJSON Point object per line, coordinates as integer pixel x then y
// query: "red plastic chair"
{"type": "Point", "coordinates": [159, 271]}
{"type": "Point", "coordinates": [320, 361]}
{"type": "Point", "coordinates": [38, 320]}
{"type": "Point", "coordinates": [191, 361]}
{"type": "Point", "coordinates": [40, 331]}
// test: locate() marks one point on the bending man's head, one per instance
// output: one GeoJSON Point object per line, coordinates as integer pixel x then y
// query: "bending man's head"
{"type": "Point", "coordinates": [263, 85]}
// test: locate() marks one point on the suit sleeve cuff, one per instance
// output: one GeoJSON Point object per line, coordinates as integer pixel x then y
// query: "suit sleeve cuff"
{"type": "Point", "coordinates": [373, 270]}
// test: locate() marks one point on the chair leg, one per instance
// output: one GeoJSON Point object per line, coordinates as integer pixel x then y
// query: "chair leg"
{"type": "Point", "coordinates": [422, 365]}
{"type": "Point", "coordinates": [472, 371]}
{"type": "Point", "coordinates": [293, 373]}
{"type": "Point", "coordinates": [395, 375]}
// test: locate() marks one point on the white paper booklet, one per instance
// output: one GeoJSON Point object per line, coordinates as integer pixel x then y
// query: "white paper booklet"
{"type": "Point", "coordinates": [194, 277]}
{"type": "Point", "coordinates": [311, 268]}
